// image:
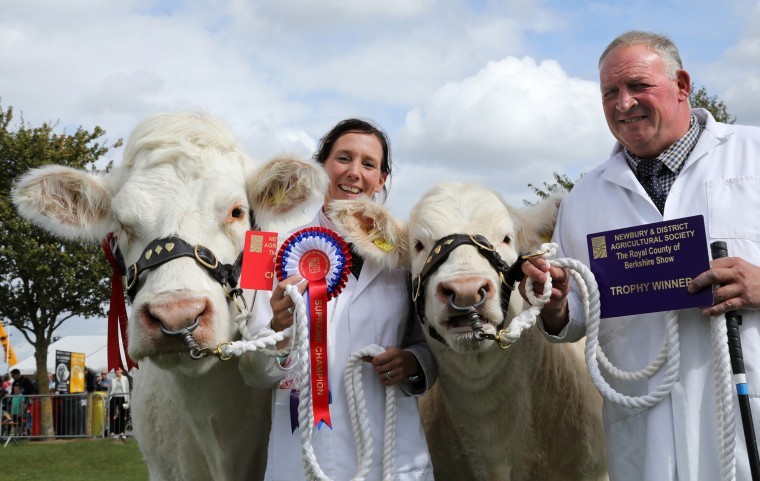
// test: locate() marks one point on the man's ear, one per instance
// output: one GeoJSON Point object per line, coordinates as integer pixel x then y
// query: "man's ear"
{"type": "Point", "coordinates": [683, 81]}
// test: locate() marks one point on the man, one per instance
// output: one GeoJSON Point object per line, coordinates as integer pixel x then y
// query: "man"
{"type": "Point", "coordinates": [25, 384]}
{"type": "Point", "coordinates": [708, 169]}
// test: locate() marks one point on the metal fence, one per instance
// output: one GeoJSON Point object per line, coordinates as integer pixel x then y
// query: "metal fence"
{"type": "Point", "coordinates": [73, 416]}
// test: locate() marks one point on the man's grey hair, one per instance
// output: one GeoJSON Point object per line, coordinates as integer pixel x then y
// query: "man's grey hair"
{"type": "Point", "coordinates": [659, 44]}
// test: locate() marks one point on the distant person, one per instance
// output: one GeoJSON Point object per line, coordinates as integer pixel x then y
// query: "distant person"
{"type": "Point", "coordinates": [118, 395]}
{"type": "Point", "coordinates": [104, 383]}
{"type": "Point", "coordinates": [26, 384]}
{"type": "Point", "coordinates": [7, 383]}
{"type": "Point", "coordinates": [90, 383]}
{"type": "Point", "coordinates": [18, 409]}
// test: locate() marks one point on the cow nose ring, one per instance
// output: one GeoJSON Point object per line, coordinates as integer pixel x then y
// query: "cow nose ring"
{"type": "Point", "coordinates": [186, 336]}
{"type": "Point", "coordinates": [473, 316]}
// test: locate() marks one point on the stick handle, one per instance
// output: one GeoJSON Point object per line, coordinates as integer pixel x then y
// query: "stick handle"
{"type": "Point", "coordinates": [720, 249]}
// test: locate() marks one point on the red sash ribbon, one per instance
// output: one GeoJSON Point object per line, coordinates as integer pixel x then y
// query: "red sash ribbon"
{"type": "Point", "coordinates": [314, 267]}
{"type": "Point", "coordinates": [117, 313]}
{"type": "Point", "coordinates": [320, 392]}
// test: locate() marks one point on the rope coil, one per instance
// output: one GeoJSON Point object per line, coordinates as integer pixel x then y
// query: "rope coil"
{"type": "Point", "coordinates": [669, 356]}
{"type": "Point", "coordinates": [264, 342]}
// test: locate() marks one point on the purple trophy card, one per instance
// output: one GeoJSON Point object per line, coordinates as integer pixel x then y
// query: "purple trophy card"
{"type": "Point", "coordinates": [646, 268]}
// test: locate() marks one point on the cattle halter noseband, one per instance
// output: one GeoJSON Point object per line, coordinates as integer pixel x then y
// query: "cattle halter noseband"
{"type": "Point", "coordinates": [440, 252]}
{"type": "Point", "coordinates": [163, 250]}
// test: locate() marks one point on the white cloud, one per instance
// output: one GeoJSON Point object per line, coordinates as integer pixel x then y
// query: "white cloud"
{"type": "Point", "coordinates": [739, 73]}
{"type": "Point", "coordinates": [512, 123]}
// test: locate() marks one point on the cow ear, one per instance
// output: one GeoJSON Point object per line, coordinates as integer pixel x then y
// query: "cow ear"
{"type": "Point", "coordinates": [536, 223]}
{"type": "Point", "coordinates": [374, 232]}
{"type": "Point", "coordinates": [285, 192]}
{"type": "Point", "coordinates": [67, 202]}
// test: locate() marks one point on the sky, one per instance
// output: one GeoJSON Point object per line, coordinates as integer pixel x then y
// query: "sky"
{"type": "Point", "coordinates": [499, 93]}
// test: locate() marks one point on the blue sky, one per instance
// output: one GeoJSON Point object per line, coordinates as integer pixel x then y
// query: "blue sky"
{"type": "Point", "coordinates": [501, 93]}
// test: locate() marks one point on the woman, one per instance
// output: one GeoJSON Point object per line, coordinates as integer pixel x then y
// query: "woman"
{"type": "Point", "coordinates": [373, 308]}
{"type": "Point", "coordinates": [118, 395]}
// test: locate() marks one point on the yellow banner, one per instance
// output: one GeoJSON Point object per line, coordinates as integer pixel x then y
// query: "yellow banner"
{"type": "Point", "coordinates": [8, 353]}
{"type": "Point", "coordinates": [77, 372]}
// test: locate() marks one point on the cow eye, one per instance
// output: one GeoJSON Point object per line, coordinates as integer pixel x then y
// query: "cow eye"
{"type": "Point", "coordinates": [507, 240]}
{"type": "Point", "coordinates": [418, 246]}
{"type": "Point", "coordinates": [236, 214]}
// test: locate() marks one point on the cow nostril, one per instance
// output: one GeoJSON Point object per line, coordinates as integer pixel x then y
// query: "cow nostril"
{"type": "Point", "coordinates": [448, 293]}
{"type": "Point", "coordinates": [484, 290]}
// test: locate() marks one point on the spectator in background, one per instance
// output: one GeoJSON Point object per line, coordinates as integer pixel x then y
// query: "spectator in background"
{"type": "Point", "coordinates": [118, 395]}
{"type": "Point", "coordinates": [90, 380]}
{"type": "Point", "coordinates": [103, 383]}
{"type": "Point", "coordinates": [7, 383]}
{"type": "Point", "coordinates": [26, 384]}
{"type": "Point", "coordinates": [18, 409]}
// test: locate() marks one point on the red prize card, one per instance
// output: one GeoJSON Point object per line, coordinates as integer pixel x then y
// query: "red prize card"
{"type": "Point", "coordinates": [259, 253]}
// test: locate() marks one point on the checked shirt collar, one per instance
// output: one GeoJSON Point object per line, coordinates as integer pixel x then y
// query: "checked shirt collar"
{"type": "Point", "coordinates": [674, 156]}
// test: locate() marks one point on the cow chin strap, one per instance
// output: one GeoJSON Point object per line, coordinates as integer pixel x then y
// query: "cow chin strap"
{"type": "Point", "coordinates": [509, 275]}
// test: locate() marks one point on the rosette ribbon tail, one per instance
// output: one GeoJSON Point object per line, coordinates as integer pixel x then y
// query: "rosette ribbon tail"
{"type": "Point", "coordinates": [320, 393]}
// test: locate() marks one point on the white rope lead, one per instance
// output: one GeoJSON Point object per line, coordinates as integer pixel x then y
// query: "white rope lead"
{"type": "Point", "coordinates": [670, 352]}
{"type": "Point", "coordinates": [264, 342]}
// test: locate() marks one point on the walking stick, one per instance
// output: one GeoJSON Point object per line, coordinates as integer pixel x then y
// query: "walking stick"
{"type": "Point", "coordinates": [719, 249]}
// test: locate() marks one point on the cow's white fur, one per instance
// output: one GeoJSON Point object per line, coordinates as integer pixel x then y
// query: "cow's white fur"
{"type": "Point", "coordinates": [526, 413]}
{"type": "Point", "coordinates": [182, 175]}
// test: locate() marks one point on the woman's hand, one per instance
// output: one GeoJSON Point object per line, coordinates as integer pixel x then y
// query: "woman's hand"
{"type": "Point", "coordinates": [394, 365]}
{"type": "Point", "coordinates": [282, 305]}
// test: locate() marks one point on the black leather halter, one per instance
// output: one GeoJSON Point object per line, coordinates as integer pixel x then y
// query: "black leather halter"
{"type": "Point", "coordinates": [440, 252]}
{"type": "Point", "coordinates": [160, 251]}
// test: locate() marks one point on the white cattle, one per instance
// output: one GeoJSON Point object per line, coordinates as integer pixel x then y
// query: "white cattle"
{"type": "Point", "coordinates": [526, 413]}
{"type": "Point", "coordinates": [183, 176]}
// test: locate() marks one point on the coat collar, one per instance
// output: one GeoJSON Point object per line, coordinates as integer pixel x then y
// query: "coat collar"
{"type": "Point", "coordinates": [617, 170]}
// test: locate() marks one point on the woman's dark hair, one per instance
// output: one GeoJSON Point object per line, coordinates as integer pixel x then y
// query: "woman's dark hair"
{"type": "Point", "coordinates": [327, 142]}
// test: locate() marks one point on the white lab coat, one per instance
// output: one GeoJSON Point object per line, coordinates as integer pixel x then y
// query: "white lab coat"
{"type": "Point", "coordinates": [676, 439]}
{"type": "Point", "coordinates": [372, 310]}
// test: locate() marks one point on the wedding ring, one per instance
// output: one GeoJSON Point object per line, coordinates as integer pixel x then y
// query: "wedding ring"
{"type": "Point", "coordinates": [290, 310]}
{"type": "Point", "coordinates": [387, 375]}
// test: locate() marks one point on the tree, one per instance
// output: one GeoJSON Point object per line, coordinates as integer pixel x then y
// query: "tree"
{"type": "Point", "coordinates": [700, 99]}
{"type": "Point", "coordinates": [697, 99]}
{"type": "Point", "coordinates": [45, 281]}
{"type": "Point", "coordinates": [561, 184]}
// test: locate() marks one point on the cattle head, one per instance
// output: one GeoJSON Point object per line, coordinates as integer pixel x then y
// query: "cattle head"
{"type": "Point", "coordinates": [183, 176]}
{"type": "Point", "coordinates": [466, 277]}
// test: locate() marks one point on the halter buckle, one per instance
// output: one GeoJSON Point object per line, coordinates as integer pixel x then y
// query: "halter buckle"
{"type": "Point", "coordinates": [486, 246]}
{"type": "Point", "coordinates": [201, 260]}
{"type": "Point", "coordinates": [131, 280]}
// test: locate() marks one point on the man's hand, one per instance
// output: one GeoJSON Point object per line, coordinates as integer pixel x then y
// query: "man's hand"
{"type": "Point", "coordinates": [555, 313]}
{"type": "Point", "coordinates": [739, 283]}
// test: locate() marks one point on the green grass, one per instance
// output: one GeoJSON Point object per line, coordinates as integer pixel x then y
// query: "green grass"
{"type": "Point", "coordinates": [73, 460]}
